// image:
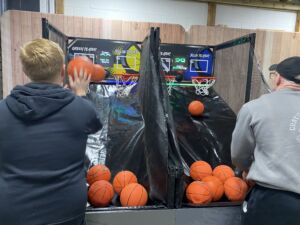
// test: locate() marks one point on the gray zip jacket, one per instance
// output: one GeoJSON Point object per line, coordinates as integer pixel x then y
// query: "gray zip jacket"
{"type": "Point", "coordinates": [266, 140]}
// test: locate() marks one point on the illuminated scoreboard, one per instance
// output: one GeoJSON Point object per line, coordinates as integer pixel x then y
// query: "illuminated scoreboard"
{"type": "Point", "coordinates": [119, 57]}
{"type": "Point", "coordinates": [190, 61]}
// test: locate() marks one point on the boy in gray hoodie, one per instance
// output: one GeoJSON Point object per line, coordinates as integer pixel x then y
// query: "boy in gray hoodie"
{"type": "Point", "coordinates": [266, 144]}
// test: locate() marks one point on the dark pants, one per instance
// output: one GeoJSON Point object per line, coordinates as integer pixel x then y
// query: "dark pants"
{"type": "Point", "coordinates": [271, 207]}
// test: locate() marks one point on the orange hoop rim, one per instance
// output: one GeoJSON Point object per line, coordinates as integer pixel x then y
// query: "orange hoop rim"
{"type": "Point", "coordinates": [127, 75]}
{"type": "Point", "coordinates": [170, 76]}
{"type": "Point", "coordinates": [203, 78]}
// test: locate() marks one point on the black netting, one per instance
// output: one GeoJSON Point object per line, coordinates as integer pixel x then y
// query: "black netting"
{"type": "Point", "coordinates": [52, 33]}
{"type": "Point", "coordinates": [230, 70]}
{"type": "Point", "coordinates": [238, 72]}
{"type": "Point", "coordinates": [260, 83]}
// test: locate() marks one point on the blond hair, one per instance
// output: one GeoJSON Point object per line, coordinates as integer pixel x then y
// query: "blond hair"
{"type": "Point", "coordinates": [42, 60]}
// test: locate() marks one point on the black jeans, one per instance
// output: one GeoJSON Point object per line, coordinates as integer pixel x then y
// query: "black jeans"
{"type": "Point", "coordinates": [267, 206]}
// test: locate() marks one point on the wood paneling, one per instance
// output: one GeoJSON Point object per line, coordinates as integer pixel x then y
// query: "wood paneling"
{"type": "Point", "coordinates": [211, 14]}
{"type": "Point", "coordinates": [19, 27]}
{"type": "Point", "coordinates": [6, 43]}
{"type": "Point", "coordinates": [270, 47]}
{"type": "Point", "coordinates": [59, 6]}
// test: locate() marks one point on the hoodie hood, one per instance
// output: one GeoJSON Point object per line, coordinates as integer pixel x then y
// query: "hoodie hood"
{"type": "Point", "coordinates": [35, 101]}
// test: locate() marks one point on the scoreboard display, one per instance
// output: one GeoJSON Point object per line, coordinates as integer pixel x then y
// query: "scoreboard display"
{"type": "Point", "coordinates": [190, 61]}
{"type": "Point", "coordinates": [119, 57]}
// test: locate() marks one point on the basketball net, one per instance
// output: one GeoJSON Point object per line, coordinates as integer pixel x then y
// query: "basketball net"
{"type": "Point", "coordinates": [124, 83]}
{"type": "Point", "coordinates": [202, 84]}
{"type": "Point", "coordinates": [170, 80]}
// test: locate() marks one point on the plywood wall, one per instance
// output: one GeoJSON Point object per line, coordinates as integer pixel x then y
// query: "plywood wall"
{"type": "Point", "coordinates": [270, 47]}
{"type": "Point", "coordinates": [19, 27]}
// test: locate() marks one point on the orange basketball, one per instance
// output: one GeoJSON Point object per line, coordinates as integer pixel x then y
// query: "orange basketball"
{"type": "Point", "coordinates": [235, 189]}
{"type": "Point", "coordinates": [99, 73]}
{"type": "Point", "coordinates": [98, 172]}
{"type": "Point", "coordinates": [198, 192]}
{"type": "Point", "coordinates": [200, 169]}
{"type": "Point", "coordinates": [80, 62]}
{"type": "Point", "coordinates": [216, 187]}
{"type": "Point", "coordinates": [196, 108]}
{"type": "Point", "coordinates": [223, 172]}
{"type": "Point", "coordinates": [134, 195]}
{"type": "Point", "coordinates": [100, 193]}
{"type": "Point", "coordinates": [122, 179]}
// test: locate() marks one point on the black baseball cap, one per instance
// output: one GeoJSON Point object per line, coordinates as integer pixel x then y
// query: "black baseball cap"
{"type": "Point", "coordinates": [273, 67]}
{"type": "Point", "coordinates": [290, 69]}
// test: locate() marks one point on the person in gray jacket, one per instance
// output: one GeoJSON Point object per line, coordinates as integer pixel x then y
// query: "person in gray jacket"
{"type": "Point", "coordinates": [266, 145]}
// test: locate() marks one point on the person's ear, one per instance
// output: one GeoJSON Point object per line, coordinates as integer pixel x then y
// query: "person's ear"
{"type": "Point", "coordinates": [278, 80]}
{"type": "Point", "coordinates": [62, 72]}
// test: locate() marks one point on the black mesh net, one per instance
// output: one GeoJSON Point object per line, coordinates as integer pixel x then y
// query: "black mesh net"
{"type": "Point", "coordinates": [52, 33]}
{"type": "Point", "coordinates": [238, 73]}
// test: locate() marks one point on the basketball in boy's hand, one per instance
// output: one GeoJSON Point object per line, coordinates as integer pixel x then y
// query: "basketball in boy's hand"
{"type": "Point", "coordinates": [99, 73]}
{"type": "Point", "coordinates": [80, 63]}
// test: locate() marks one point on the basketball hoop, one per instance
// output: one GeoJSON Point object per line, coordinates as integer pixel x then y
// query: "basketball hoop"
{"type": "Point", "coordinates": [170, 80]}
{"type": "Point", "coordinates": [124, 83]}
{"type": "Point", "coordinates": [202, 84]}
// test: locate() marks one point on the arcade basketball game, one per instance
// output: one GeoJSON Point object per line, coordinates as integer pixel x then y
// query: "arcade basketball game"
{"type": "Point", "coordinates": [165, 142]}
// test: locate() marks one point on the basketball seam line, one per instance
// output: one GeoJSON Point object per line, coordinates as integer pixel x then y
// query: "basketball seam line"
{"type": "Point", "coordinates": [104, 193]}
{"type": "Point", "coordinates": [238, 190]}
{"type": "Point", "coordinates": [131, 194]}
{"type": "Point", "coordinates": [140, 196]}
{"type": "Point", "coordinates": [120, 185]}
{"type": "Point", "coordinates": [191, 193]}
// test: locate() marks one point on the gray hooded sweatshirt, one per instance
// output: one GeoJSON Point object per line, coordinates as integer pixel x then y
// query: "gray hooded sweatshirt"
{"type": "Point", "coordinates": [266, 140]}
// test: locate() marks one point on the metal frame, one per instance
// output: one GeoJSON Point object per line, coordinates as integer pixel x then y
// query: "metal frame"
{"type": "Point", "coordinates": [155, 37]}
{"type": "Point", "coordinates": [250, 38]}
{"type": "Point", "coordinates": [69, 40]}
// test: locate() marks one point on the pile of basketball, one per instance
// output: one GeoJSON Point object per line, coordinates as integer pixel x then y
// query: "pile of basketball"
{"type": "Point", "coordinates": [211, 184]}
{"type": "Point", "coordinates": [83, 63]}
{"type": "Point", "coordinates": [125, 184]}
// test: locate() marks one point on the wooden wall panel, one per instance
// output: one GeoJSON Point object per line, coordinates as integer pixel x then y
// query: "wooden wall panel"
{"type": "Point", "coordinates": [270, 47]}
{"type": "Point", "coordinates": [20, 27]}
{"type": "Point", "coordinates": [26, 36]}
{"type": "Point", "coordinates": [208, 35]}
{"type": "Point", "coordinates": [6, 43]}
{"type": "Point", "coordinates": [16, 34]}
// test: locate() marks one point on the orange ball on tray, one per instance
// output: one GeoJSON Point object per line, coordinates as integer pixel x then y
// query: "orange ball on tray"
{"type": "Point", "coordinates": [196, 108]}
{"type": "Point", "coordinates": [223, 172]}
{"type": "Point", "coordinates": [78, 63]}
{"type": "Point", "coordinates": [198, 192]}
{"type": "Point", "coordinates": [99, 73]}
{"type": "Point", "coordinates": [98, 172]}
{"type": "Point", "coordinates": [100, 193]}
{"type": "Point", "coordinates": [122, 179]}
{"type": "Point", "coordinates": [200, 169]}
{"type": "Point", "coordinates": [134, 195]}
{"type": "Point", "coordinates": [235, 189]}
{"type": "Point", "coordinates": [216, 187]}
